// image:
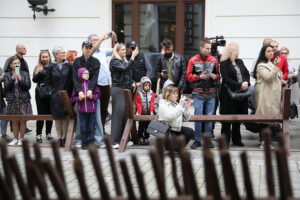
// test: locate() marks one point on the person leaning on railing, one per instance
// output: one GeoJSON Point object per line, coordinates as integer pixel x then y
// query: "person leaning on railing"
{"type": "Point", "coordinates": [16, 89]}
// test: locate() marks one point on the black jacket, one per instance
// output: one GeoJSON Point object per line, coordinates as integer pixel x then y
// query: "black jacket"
{"type": "Point", "coordinates": [140, 67]}
{"type": "Point", "coordinates": [179, 69]}
{"type": "Point", "coordinates": [121, 73]}
{"type": "Point", "coordinates": [92, 65]}
{"type": "Point", "coordinates": [9, 86]}
{"type": "Point", "coordinates": [39, 78]}
{"type": "Point", "coordinates": [55, 81]}
{"type": "Point", "coordinates": [229, 79]}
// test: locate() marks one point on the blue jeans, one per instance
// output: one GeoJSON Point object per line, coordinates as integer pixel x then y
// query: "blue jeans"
{"type": "Point", "coordinates": [3, 122]}
{"type": "Point", "coordinates": [98, 131]}
{"type": "Point", "coordinates": [199, 105]}
{"type": "Point", "coordinates": [87, 127]}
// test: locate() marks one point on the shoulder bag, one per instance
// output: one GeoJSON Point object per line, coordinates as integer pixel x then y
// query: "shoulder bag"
{"type": "Point", "coordinates": [158, 128]}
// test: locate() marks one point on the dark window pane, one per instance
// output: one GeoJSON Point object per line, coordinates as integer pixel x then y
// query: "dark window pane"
{"type": "Point", "coordinates": [123, 22]}
{"type": "Point", "coordinates": [157, 21]}
{"type": "Point", "coordinates": [193, 28]}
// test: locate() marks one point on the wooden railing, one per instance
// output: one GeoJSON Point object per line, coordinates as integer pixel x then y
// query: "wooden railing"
{"type": "Point", "coordinates": [38, 169]}
{"type": "Point", "coordinates": [70, 117]}
{"type": "Point", "coordinates": [130, 128]}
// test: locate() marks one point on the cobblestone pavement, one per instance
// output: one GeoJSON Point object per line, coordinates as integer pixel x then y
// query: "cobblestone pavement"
{"type": "Point", "coordinates": [256, 160]}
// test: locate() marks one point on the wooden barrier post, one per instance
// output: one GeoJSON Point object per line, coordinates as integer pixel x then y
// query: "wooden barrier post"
{"type": "Point", "coordinates": [286, 115]}
{"type": "Point", "coordinates": [129, 123]}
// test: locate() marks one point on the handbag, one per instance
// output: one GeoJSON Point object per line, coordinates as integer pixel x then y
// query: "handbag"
{"type": "Point", "coordinates": [43, 91]}
{"type": "Point", "coordinates": [158, 128]}
{"type": "Point", "coordinates": [240, 95]}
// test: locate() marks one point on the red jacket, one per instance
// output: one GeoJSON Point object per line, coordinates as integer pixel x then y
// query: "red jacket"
{"type": "Point", "coordinates": [142, 104]}
{"type": "Point", "coordinates": [283, 66]}
{"type": "Point", "coordinates": [196, 66]}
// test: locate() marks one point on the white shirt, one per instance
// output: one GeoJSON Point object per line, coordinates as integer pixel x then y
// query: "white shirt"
{"type": "Point", "coordinates": [104, 77]}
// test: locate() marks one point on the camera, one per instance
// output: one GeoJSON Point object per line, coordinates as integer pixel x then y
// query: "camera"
{"type": "Point", "coordinates": [219, 41]}
{"type": "Point", "coordinates": [109, 35]}
{"type": "Point", "coordinates": [35, 3]}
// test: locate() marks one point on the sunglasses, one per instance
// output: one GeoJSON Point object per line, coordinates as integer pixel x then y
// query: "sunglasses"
{"type": "Point", "coordinates": [44, 50]}
{"type": "Point", "coordinates": [274, 47]}
{"type": "Point", "coordinates": [167, 44]}
{"type": "Point", "coordinates": [285, 53]}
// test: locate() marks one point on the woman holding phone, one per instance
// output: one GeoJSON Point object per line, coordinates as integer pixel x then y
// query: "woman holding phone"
{"type": "Point", "coordinates": [16, 90]}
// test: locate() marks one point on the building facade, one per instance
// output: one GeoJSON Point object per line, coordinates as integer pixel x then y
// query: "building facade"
{"type": "Point", "coordinates": [148, 22]}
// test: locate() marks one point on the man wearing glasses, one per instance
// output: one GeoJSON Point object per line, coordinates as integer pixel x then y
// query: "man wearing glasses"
{"type": "Point", "coordinates": [171, 65]}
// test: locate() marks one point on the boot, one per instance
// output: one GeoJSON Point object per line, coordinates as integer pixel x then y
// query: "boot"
{"type": "Point", "coordinates": [61, 143]}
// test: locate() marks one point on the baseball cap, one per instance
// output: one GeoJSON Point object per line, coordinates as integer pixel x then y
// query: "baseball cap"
{"type": "Point", "coordinates": [87, 44]}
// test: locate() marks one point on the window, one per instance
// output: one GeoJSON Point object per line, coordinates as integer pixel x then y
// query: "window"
{"type": "Point", "coordinates": [148, 22]}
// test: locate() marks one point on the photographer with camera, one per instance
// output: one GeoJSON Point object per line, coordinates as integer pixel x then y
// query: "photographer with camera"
{"type": "Point", "coordinates": [203, 71]}
{"type": "Point", "coordinates": [171, 65]}
{"type": "Point", "coordinates": [140, 66]}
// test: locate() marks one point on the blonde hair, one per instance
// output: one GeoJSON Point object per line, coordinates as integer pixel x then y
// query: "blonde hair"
{"type": "Point", "coordinates": [229, 49]}
{"type": "Point", "coordinates": [167, 91]}
{"type": "Point", "coordinates": [115, 54]}
{"type": "Point", "coordinates": [284, 48]}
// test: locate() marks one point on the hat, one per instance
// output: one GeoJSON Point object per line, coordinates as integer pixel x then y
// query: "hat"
{"type": "Point", "coordinates": [166, 43]}
{"type": "Point", "coordinates": [131, 44]}
{"type": "Point", "coordinates": [87, 44]}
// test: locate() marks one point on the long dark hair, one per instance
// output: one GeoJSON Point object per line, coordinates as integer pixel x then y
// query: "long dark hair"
{"type": "Point", "coordinates": [261, 58]}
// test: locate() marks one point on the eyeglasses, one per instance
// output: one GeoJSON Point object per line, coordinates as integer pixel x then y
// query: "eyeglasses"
{"type": "Point", "coordinates": [167, 44]}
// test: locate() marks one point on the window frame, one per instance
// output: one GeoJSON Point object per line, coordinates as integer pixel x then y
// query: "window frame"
{"type": "Point", "coordinates": [180, 27]}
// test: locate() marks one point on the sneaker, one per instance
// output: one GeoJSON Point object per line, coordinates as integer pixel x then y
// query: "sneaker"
{"type": "Point", "coordinates": [78, 145]}
{"type": "Point", "coordinates": [102, 146]}
{"type": "Point", "coordinates": [145, 141]}
{"type": "Point", "coordinates": [13, 142]}
{"type": "Point", "coordinates": [20, 142]}
{"type": "Point", "coordinates": [196, 144]}
{"type": "Point", "coordinates": [27, 130]}
{"type": "Point", "coordinates": [49, 136]}
{"type": "Point", "coordinates": [129, 143]}
{"type": "Point", "coordinates": [115, 146]}
{"type": "Point", "coordinates": [39, 139]}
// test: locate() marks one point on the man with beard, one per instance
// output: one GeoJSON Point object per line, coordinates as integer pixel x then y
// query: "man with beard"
{"type": "Point", "coordinates": [203, 71]}
{"type": "Point", "coordinates": [171, 65]}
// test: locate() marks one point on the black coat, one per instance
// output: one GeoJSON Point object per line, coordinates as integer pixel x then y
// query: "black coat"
{"type": "Point", "coordinates": [179, 69]}
{"type": "Point", "coordinates": [55, 81]}
{"type": "Point", "coordinates": [9, 86]}
{"type": "Point", "coordinates": [229, 79]}
{"type": "Point", "coordinates": [121, 74]}
{"type": "Point", "coordinates": [92, 65]}
{"type": "Point", "coordinates": [141, 67]}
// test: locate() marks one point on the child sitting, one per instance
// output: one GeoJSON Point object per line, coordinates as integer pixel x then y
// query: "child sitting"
{"type": "Point", "coordinates": [86, 108]}
{"type": "Point", "coordinates": [144, 101]}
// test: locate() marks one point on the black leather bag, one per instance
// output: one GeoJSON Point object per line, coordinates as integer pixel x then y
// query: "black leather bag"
{"type": "Point", "coordinates": [240, 95]}
{"type": "Point", "coordinates": [158, 128]}
{"type": "Point", "coordinates": [43, 91]}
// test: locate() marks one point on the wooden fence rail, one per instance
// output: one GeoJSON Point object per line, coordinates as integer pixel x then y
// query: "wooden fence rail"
{"type": "Point", "coordinates": [130, 128]}
{"type": "Point", "coordinates": [32, 185]}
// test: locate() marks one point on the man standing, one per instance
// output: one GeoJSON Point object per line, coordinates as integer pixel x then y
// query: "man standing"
{"type": "Point", "coordinates": [203, 71]}
{"type": "Point", "coordinates": [141, 66]}
{"type": "Point", "coordinates": [20, 53]}
{"type": "Point", "coordinates": [171, 65]}
{"type": "Point", "coordinates": [104, 78]}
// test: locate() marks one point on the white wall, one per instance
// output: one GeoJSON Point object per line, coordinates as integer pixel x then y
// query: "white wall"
{"type": "Point", "coordinates": [249, 22]}
{"type": "Point", "coordinates": [68, 26]}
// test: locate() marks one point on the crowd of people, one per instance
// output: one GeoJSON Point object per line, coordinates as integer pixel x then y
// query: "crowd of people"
{"type": "Point", "coordinates": [159, 82]}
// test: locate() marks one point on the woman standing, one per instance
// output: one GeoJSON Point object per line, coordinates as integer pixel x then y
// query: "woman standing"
{"type": "Point", "coordinates": [268, 85]}
{"type": "Point", "coordinates": [16, 90]}
{"type": "Point", "coordinates": [236, 77]}
{"type": "Point", "coordinates": [42, 103]}
{"type": "Point", "coordinates": [59, 77]}
{"type": "Point", "coordinates": [121, 79]}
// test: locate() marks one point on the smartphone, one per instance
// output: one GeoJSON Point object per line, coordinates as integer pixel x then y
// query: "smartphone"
{"type": "Point", "coordinates": [277, 54]}
{"type": "Point", "coordinates": [109, 35]}
{"type": "Point", "coordinates": [164, 71]}
{"type": "Point", "coordinates": [206, 72]}
{"type": "Point", "coordinates": [17, 70]}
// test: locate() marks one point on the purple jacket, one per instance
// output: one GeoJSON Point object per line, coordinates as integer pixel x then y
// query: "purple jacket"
{"type": "Point", "coordinates": [86, 105]}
